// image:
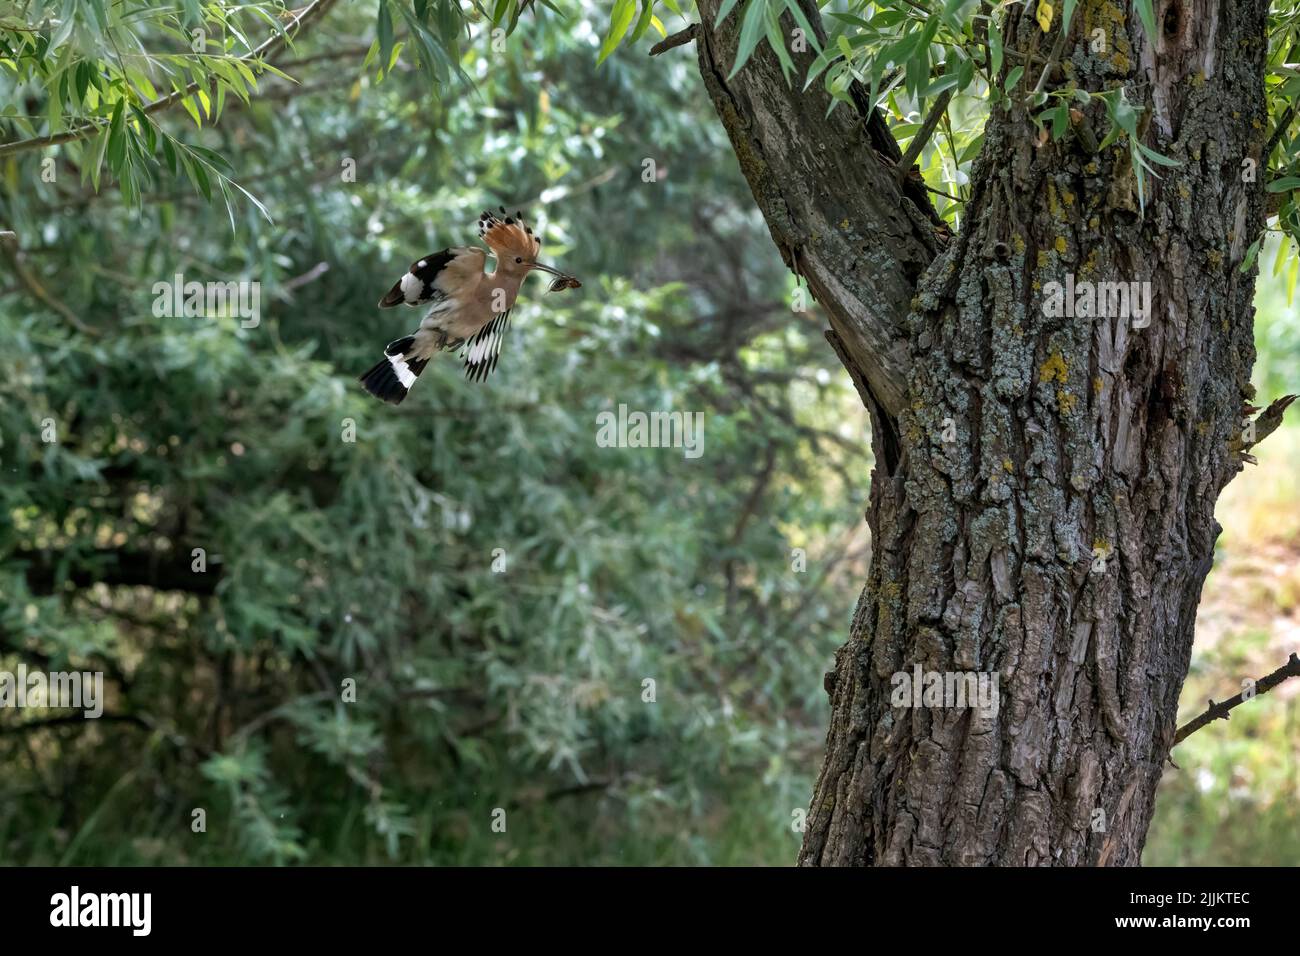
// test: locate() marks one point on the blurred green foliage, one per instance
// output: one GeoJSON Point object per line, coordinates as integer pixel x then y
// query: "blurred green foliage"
{"type": "Point", "coordinates": [371, 560]}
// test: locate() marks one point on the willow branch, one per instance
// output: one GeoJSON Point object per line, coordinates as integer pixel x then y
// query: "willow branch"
{"type": "Point", "coordinates": [923, 135]}
{"type": "Point", "coordinates": [269, 48]}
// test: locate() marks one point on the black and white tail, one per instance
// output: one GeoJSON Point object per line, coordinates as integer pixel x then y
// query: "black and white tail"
{"type": "Point", "coordinates": [392, 377]}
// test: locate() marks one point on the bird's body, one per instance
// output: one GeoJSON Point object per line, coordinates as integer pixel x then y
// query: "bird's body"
{"type": "Point", "coordinates": [467, 306]}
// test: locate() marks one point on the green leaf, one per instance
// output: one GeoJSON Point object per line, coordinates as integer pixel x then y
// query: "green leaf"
{"type": "Point", "coordinates": [776, 40]}
{"type": "Point", "coordinates": [1067, 13]}
{"type": "Point", "coordinates": [723, 11]}
{"type": "Point", "coordinates": [146, 129]}
{"type": "Point", "coordinates": [1279, 260]}
{"type": "Point", "coordinates": [620, 19]}
{"type": "Point", "coordinates": [1285, 184]}
{"type": "Point", "coordinates": [188, 104]}
{"type": "Point", "coordinates": [117, 138]}
{"type": "Point", "coordinates": [971, 150]}
{"type": "Point", "coordinates": [1157, 158]}
{"type": "Point", "coordinates": [384, 31]}
{"type": "Point", "coordinates": [1251, 253]}
{"type": "Point", "coordinates": [97, 157]}
{"type": "Point", "coordinates": [1013, 78]}
{"type": "Point", "coordinates": [1291, 276]}
{"type": "Point", "coordinates": [995, 46]}
{"type": "Point", "coordinates": [1148, 16]}
{"type": "Point", "coordinates": [199, 175]}
{"type": "Point", "coordinates": [801, 21]}
{"type": "Point", "coordinates": [643, 22]}
{"type": "Point", "coordinates": [751, 31]}
{"type": "Point", "coordinates": [169, 153]}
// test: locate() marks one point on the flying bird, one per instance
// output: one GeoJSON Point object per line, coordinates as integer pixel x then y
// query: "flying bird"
{"type": "Point", "coordinates": [468, 307]}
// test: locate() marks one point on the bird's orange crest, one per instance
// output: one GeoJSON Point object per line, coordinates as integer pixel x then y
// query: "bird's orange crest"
{"type": "Point", "coordinates": [508, 237]}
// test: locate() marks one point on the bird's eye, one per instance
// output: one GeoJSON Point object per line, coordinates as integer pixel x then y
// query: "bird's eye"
{"type": "Point", "coordinates": [519, 258]}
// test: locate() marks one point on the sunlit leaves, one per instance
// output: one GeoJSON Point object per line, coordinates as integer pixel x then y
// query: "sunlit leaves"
{"type": "Point", "coordinates": [108, 72]}
{"type": "Point", "coordinates": [620, 19]}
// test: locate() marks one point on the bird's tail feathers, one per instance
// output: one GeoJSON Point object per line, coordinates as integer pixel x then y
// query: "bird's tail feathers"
{"type": "Point", "coordinates": [391, 377]}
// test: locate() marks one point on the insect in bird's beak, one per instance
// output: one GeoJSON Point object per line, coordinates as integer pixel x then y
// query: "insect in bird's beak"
{"type": "Point", "coordinates": [564, 282]}
{"type": "Point", "coordinates": [561, 281]}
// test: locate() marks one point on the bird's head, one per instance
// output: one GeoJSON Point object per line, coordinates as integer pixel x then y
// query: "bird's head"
{"type": "Point", "coordinates": [513, 243]}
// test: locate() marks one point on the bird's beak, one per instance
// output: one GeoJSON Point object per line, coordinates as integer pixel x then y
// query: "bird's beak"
{"type": "Point", "coordinates": [554, 272]}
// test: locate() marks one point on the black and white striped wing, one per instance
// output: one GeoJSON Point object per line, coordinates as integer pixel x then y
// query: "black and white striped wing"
{"type": "Point", "coordinates": [417, 286]}
{"type": "Point", "coordinates": [484, 348]}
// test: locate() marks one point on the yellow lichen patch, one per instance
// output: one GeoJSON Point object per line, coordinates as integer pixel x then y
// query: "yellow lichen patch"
{"type": "Point", "coordinates": [1109, 17]}
{"type": "Point", "coordinates": [1215, 258]}
{"type": "Point", "coordinates": [1094, 222]}
{"type": "Point", "coordinates": [1089, 264]}
{"type": "Point", "coordinates": [1019, 242]}
{"type": "Point", "coordinates": [1054, 369]}
{"type": "Point", "coordinates": [1060, 244]}
{"type": "Point", "coordinates": [1202, 428]}
{"type": "Point", "coordinates": [1101, 546]}
{"type": "Point", "coordinates": [1008, 466]}
{"type": "Point", "coordinates": [1042, 258]}
{"type": "Point", "coordinates": [1067, 197]}
{"type": "Point", "coordinates": [1183, 191]}
{"type": "Point", "coordinates": [1097, 385]}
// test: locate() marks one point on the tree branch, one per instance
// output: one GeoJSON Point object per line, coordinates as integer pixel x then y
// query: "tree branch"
{"type": "Point", "coordinates": [68, 720]}
{"type": "Point", "coordinates": [826, 188]}
{"type": "Point", "coordinates": [680, 38]}
{"type": "Point", "coordinates": [124, 568]}
{"type": "Point", "coordinates": [269, 48]}
{"type": "Point", "coordinates": [1220, 710]}
{"type": "Point", "coordinates": [923, 135]}
{"type": "Point", "coordinates": [10, 251]}
{"type": "Point", "coordinates": [1264, 424]}
{"type": "Point", "coordinates": [1283, 122]}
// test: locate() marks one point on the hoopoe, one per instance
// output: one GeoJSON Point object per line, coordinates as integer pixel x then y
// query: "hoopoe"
{"type": "Point", "coordinates": [468, 307]}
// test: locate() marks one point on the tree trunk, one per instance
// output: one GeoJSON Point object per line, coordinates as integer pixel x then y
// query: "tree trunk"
{"type": "Point", "coordinates": [1042, 506]}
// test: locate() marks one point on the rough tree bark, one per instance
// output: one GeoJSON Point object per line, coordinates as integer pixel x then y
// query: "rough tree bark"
{"type": "Point", "coordinates": [1061, 537]}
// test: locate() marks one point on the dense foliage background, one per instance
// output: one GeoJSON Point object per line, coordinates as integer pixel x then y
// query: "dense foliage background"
{"type": "Point", "coordinates": [346, 540]}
